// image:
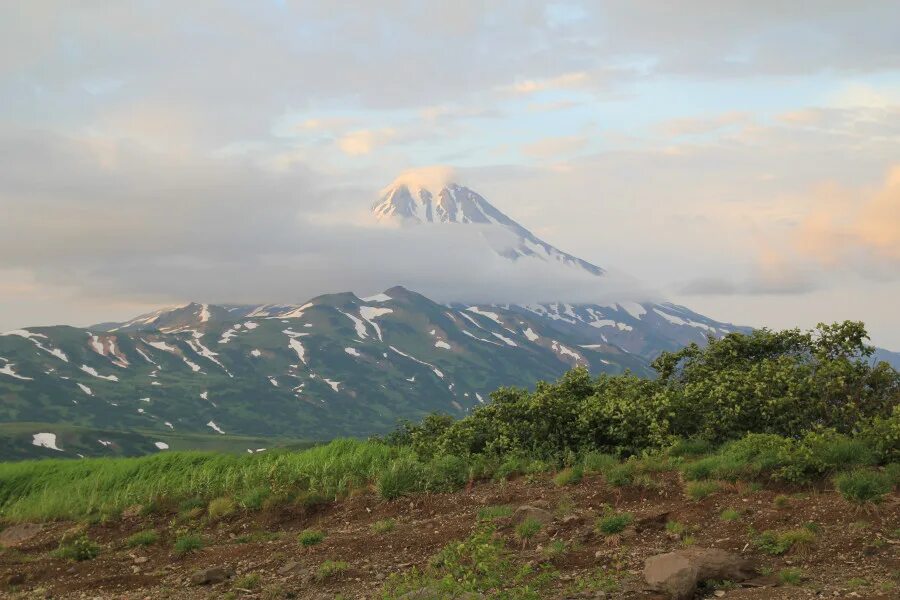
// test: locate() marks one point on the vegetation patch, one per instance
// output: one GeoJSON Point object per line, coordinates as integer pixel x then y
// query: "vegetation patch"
{"type": "Point", "coordinates": [310, 537]}
{"type": "Point", "coordinates": [185, 544]}
{"type": "Point", "coordinates": [778, 543]}
{"type": "Point", "coordinates": [614, 523]}
{"type": "Point", "coordinates": [863, 485]}
{"type": "Point", "coordinates": [148, 537]}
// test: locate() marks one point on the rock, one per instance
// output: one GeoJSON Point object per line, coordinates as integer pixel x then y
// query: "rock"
{"type": "Point", "coordinates": [678, 573]}
{"type": "Point", "coordinates": [16, 534]}
{"type": "Point", "coordinates": [139, 560]}
{"type": "Point", "coordinates": [289, 567]}
{"type": "Point", "coordinates": [211, 575]}
{"type": "Point", "coordinates": [532, 512]}
{"type": "Point", "coordinates": [673, 573]}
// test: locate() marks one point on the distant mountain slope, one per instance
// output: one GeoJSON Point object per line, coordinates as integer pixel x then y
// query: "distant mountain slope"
{"type": "Point", "coordinates": [336, 365]}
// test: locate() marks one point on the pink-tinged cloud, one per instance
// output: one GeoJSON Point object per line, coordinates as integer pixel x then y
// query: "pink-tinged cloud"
{"type": "Point", "coordinates": [849, 225]}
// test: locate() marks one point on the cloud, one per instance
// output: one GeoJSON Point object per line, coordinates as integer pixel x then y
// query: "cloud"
{"type": "Point", "coordinates": [363, 141]}
{"type": "Point", "coordinates": [703, 125]}
{"type": "Point", "coordinates": [854, 226]}
{"type": "Point", "coordinates": [560, 82]}
{"type": "Point", "coordinates": [223, 231]}
{"type": "Point", "coordinates": [555, 146]}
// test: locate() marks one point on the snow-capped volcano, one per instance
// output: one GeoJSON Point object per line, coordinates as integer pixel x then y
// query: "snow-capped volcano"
{"type": "Point", "coordinates": [416, 198]}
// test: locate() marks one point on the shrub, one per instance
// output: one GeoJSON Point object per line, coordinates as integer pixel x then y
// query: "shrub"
{"type": "Point", "coordinates": [698, 490]}
{"type": "Point", "coordinates": [220, 508]}
{"type": "Point", "coordinates": [310, 537]}
{"type": "Point", "coordinates": [527, 529]}
{"type": "Point", "coordinates": [446, 473]}
{"type": "Point", "coordinates": [491, 513]}
{"type": "Point", "coordinates": [401, 477]}
{"type": "Point", "coordinates": [862, 485]}
{"type": "Point", "coordinates": [77, 548]}
{"type": "Point", "coordinates": [383, 526]}
{"type": "Point", "coordinates": [776, 543]}
{"type": "Point", "coordinates": [147, 537]}
{"type": "Point", "coordinates": [331, 568]}
{"type": "Point", "coordinates": [569, 476]}
{"type": "Point", "coordinates": [188, 543]}
{"type": "Point", "coordinates": [613, 523]}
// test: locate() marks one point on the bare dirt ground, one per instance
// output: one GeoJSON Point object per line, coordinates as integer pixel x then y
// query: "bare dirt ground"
{"type": "Point", "coordinates": [855, 553]}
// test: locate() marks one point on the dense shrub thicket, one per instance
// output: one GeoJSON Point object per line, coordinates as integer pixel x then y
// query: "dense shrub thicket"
{"type": "Point", "coordinates": [786, 383]}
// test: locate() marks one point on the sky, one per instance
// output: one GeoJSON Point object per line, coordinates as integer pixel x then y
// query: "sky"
{"type": "Point", "coordinates": [741, 158]}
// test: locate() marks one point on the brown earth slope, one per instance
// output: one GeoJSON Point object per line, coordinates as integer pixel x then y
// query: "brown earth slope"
{"type": "Point", "coordinates": [853, 552]}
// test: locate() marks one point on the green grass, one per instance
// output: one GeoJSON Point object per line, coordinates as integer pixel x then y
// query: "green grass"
{"type": "Point", "coordinates": [147, 537]}
{"type": "Point", "coordinates": [75, 489]}
{"type": "Point", "coordinates": [730, 514]}
{"type": "Point", "coordinates": [597, 462]}
{"type": "Point", "coordinates": [569, 476]}
{"type": "Point", "coordinates": [188, 543]}
{"type": "Point", "coordinates": [527, 529]}
{"type": "Point", "coordinates": [330, 569]}
{"type": "Point", "coordinates": [698, 490]}
{"type": "Point", "coordinates": [863, 485]}
{"type": "Point", "coordinates": [675, 528]}
{"type": "Point", "coordinates": [219, 508]}
{"type": "Point", "coordinates": [250, 581]}
{"type": "Point", "coordinates": [790, 576]}
{"type": "Point", "coordinates": [778, 543]}
{"type": "Point", "coordinates": [613, 523]}
{"type": "Point", "coordinates": [491, 513]}
{"type": "Point", "coordinates": [310, 537]}
{"type": "Point", "coordinates": [383, 526]}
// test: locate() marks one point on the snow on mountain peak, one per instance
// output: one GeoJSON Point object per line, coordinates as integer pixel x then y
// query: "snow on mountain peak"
{"type": "Point", "coordinates": [430, 195]}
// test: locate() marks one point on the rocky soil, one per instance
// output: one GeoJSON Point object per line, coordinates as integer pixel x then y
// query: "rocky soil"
{"type": "Point", "coordinates": [853, 552]}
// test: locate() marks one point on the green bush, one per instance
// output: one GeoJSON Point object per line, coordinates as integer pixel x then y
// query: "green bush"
{"type": "Point", "coordinates": [401, 477]}
{"type": "Point", "coordinates": [77, 548]}
{"type": "Point", "coordinates": [188, 543]}
{"type": "Point", "coordinates": [147, 537]}
{"type": "Point", "coordinates": [446, 473]}
{"type": "Point", "coordinates": [863, 485]}
{"type": "Point", "coordinates": [613, 523]}
{"type": "Point", "coordinates": [310, 537]}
